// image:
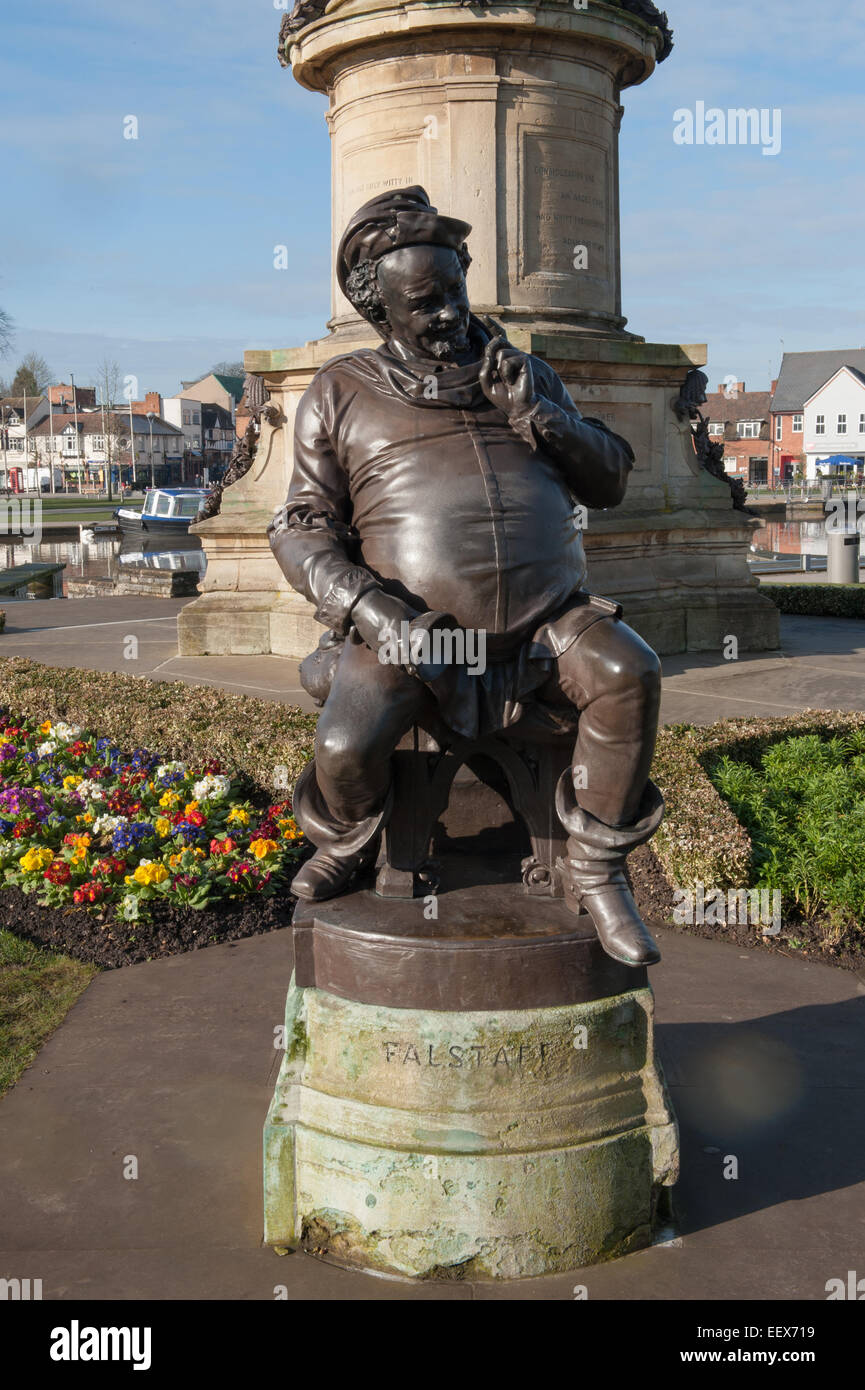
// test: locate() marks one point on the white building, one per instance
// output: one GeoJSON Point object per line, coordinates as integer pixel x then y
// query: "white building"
{"type": "Point", "coordinates": [835, 421]}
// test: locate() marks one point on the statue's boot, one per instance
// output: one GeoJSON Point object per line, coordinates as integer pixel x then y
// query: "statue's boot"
{"type": "Point", "coordinates": [343, 849]}
{"type": "Point", "coordinates": [594, 872]}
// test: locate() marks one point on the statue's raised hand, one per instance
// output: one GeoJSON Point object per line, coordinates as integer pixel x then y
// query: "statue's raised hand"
{"type": "Point", "coordinates": [506, 377]}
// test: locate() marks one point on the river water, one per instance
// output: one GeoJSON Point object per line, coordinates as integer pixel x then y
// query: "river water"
{"type": "Point", "coordinates": [106, 557]}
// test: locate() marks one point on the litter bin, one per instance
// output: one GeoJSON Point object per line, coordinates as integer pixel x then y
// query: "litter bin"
{"type": "Point", "coordinates": [842, 557]}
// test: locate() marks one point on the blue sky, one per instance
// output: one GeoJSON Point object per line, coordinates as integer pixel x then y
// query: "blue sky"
{"type": "Point", "coordinates": [158, 252]}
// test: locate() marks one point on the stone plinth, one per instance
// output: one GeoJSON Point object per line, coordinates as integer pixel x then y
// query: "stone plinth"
{"type": "Point", "coordinates": [512, 1121]}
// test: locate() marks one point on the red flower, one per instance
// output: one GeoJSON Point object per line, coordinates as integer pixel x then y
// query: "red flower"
{"type": "Point", "coordinates": [222, 846]}
{"type": "Point", "coordinates": [58, 872]}
{"type": "Point", "coordinates": [195, 818]}
{"type": "Point", "coordinates": [90, 893]}
{"type": "Point", "coordinates": [240, 871]}
{"type": "Point", "coordinates": [94, 773]}
{"type": "Point", "coordinates": [109, 866]}
{"type": "Point", "coordinates": [268, 830]}
{"type": "Point", "coordinates": [78, 748]}
{"type": "Point", "coordinates": [25, 827]}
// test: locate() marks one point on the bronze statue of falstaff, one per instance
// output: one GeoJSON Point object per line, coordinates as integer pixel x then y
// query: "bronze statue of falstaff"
{"type": "Point", "coordinates": [435, 480]}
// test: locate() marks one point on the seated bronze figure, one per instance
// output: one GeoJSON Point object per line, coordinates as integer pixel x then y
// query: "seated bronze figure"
{"type": "Point", "coordinates": [434, 486]}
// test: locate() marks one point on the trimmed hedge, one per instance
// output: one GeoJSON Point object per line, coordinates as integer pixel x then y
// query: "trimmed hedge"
{"type": "Point", "coordinates": [700, 839]}
{"type": "Point", "coordinates": [818, 600]}
{"type": "Point", "coordinates": [268, 742]}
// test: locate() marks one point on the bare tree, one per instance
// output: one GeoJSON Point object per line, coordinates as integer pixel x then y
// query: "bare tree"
{"type": "Point", "coordinates": [32, 376]}
{"type": "Point", "coordinates": [228, 369]}
{"type": "Point", "coordinates": [108, 388]}
{"type": "Point", "coordinates": [6, 332]}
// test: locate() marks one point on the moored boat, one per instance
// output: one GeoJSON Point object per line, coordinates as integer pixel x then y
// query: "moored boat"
{"type": "Point", "coordinates": [165, 509]}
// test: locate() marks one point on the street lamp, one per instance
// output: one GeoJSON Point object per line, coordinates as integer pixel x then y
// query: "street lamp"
{"type": "Point", "coordinates": [152, 475]}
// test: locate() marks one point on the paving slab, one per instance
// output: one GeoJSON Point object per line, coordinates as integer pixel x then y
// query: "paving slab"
{"type": "Point", "coordinates": [172, 1062]}
{"type": "Point", "coordinates": [821, 663]}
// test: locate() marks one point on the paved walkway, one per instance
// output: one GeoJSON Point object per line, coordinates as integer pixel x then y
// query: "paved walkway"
{"type": "Point", "coordinates": [172, 1062]}
{"type": "Point", "coordinates": [821, 663]}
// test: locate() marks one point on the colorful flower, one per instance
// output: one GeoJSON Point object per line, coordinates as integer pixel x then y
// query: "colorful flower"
{"type": "Point", "coordinates": [149, 872]}
{"type": "Point", "coordinates": [58, 873]}
{"type": "Point", "coordinates": [261, 848]}
{"type": "Point", "coordinates": [36, 859]}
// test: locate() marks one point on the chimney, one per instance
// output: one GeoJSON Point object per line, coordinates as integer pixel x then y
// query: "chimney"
{"type": "Point", "coordinates": [153, 401]}
{"type": "Point", "coordinates": [773, 388]}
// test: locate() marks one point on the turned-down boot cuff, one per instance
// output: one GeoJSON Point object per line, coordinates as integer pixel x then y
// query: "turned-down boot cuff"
{"type": "Point", "coordinates": [340, 839]}
{"type": "Point", "coordinates": [600, 843]}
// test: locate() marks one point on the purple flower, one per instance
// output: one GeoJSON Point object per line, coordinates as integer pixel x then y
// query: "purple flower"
{"type": "Point", "coordinates": [16, 799]}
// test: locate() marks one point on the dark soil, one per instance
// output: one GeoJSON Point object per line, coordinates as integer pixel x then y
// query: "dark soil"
{"type": "Point", "coordinates": [100, 938]}
{"type": "Point", "coordinates": [653, 894]}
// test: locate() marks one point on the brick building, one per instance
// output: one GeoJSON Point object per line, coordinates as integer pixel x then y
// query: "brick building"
{"type": "Point", "coordinates": [741, 419]}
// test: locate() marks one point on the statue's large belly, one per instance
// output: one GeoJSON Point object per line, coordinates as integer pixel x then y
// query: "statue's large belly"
{"type": "Point", "coordinates": [485, 533]}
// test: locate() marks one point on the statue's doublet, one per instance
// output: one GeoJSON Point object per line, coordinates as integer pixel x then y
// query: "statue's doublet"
{"type": "Point", "coordinates": [451, 508]}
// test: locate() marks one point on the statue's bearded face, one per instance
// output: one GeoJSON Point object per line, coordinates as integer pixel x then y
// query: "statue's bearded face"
{"type": "Point", "coordinates": [423, 289]}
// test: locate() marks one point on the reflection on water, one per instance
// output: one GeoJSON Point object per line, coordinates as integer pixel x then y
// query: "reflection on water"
{"type": "Point", "coordinates": [105, 557]}
{"type": "Point", "coordinates": [786, 539]}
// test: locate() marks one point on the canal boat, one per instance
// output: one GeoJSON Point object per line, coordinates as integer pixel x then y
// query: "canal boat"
{"type": "Point", "coordinates": [170, 509]}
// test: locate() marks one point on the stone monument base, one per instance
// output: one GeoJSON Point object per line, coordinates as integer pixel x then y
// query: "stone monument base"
{"type": "Point", "coordinates": [509, 1120]}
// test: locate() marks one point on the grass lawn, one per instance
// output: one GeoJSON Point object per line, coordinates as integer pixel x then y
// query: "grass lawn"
{"type": "Point", "coordinates": [78, 509]}
{"type": "Point", "coordinates": [37, 989]}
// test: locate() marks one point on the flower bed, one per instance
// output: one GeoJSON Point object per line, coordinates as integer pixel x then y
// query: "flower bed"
{"type": "Point", "coordinates": [83, 824]}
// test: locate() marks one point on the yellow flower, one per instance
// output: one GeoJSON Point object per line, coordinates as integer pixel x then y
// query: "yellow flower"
{"type": "Point", "coordinates": [71, 781]}
{"type": "Point", "coordinates": [199, 853]}
{"type": "Point", "coordinates": [237, 813]}
{"type": "Point", "coordinates": [174, 860]}
{"type": "Point", "coordinates": [262, 848]}
{"type": "Point", "coordinates": [36, 859]}
{"type": "Point", "coordinates": [168, 800]}
{"type": "Point", "coordinates": [163, 825]}
{"type": "Point", "coordinates": [46, 727]}
{"type": "Point", "coordinates": [150, 873]}
{"type": "Point", "coordinates": [128, 879]}
{"type": "Point", "coordinates": [190, 807]}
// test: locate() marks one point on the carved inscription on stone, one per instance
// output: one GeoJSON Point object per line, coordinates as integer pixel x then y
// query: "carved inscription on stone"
{"type": "Point", "coordinates": [565, 206]}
